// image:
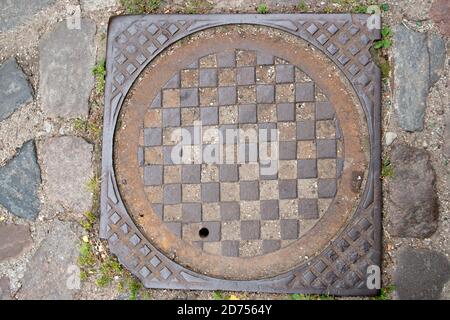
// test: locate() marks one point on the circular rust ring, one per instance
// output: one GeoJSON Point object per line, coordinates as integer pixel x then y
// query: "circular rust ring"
{"type": "Point", "coordinates": [324, 74]}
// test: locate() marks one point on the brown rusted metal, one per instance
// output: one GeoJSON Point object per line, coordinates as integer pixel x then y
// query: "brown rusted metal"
{"type": "Point", "coordinates": [287, 262]}
{"type": "Point", "coordinates": [127, 167]}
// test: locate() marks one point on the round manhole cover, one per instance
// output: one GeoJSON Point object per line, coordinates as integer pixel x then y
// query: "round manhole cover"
{"type": "Point", "coordinates": [239, 152]}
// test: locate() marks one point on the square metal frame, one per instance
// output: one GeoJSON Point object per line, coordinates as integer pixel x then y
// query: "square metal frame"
{"type": "Point", "coordinates": [341, 269]}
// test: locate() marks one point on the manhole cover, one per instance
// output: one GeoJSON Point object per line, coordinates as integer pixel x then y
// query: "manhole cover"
{"type": "Point", "coordinates": [241, 152]}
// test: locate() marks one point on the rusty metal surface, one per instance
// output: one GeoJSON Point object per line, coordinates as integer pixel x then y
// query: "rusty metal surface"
{"type": "Point", "coordinates": [332, 255]}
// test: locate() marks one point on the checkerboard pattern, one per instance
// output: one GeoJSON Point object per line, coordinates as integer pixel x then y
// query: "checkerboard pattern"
{"type": "Point", "coordinates": [235, 208]}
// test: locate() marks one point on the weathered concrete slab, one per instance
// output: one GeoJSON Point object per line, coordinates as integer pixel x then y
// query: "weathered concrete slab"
{"type": "Point", "coordinates": [15, 12]}
{"type": "Point", "coordinates": [14, 240]}
{"type": "Point", "coordinates": [67, 57]}
{"type": "Point", "coordinates": [67, 169]}
{"type": "Point", "coordinates": [20, 179]}
{"type": "Point", "coordinates": [421, 274]}
{"type": "Point", "coordinates": [5, 293]}
{"type": "Point", "coordinates": [446, 148]}
{"type": "Point", "coordinates": [15, 90]}
{"type": "Point", "coordinates": [418, 59]}
{"type": "Point", "coordinates": [92, 5]}
{"type": "Point", "coordinates": [48, 276]}
{"type": "Point", "coordinates": [437, 52]}
{"type": "Point", "coordinates": [412, 193]}
{"type": "Point", "coordinates": [440, 14]}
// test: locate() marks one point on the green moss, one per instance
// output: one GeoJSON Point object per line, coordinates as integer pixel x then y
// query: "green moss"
{"type": "Point", "coordinates": [263, 9]}
{"type": "Point", "coordinates": [79, 124]}
{"type": "Point", "coordinates": [385, 293]}
{"type": "Point", "coordinates": [146, 295]}
{"type": "Point", "coordinates": [328, 9]}
{"type": "Point", "coordinates": [387, 169]}
{"type": "Point", "coordinates": [353, 6]}
{"type": "Point", "coordinates": [325, 297]}
{"type": "Point", "coordinates": [217, 295]}
{"type": "Point", "coordinates": [140, 6]}
{"type": "Point", "coordinates": [121, 286]}
{"type": "Point", "coordinates": [83, 275]}
{"type": "Point", "coordinates": [197, 6]}
{"type": "Point", "coordinates": [86, 259]}
{"type": "Point", "coordinates": [301, 6]}
{"type": "Point", "coordinates": [103, 281]}
{"type": "Point", "coordinates": [90, 128]}
{"type": "Point", "coordinates": [385, 69]}
{"type": "Point", "coordinates": [381, 61]}
{"type": "Point", "coordinates": [88, 221]}
{"type": "Point", "coordinates": [359, 9]}
{"type": "Point", "coordinates": [134, 286]}
{"type": "Point", "coordinates": [298, 296]}
{"type": "Point", "coordinates": [93, 185]}
{"type": "Point", "coordinates": [99, 71]}
{"type": "Point", "coordinates": [108, 270]}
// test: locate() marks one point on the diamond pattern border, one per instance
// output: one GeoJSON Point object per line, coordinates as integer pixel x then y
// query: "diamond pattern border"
{"type": "Point", "coordinates": [133, 41]}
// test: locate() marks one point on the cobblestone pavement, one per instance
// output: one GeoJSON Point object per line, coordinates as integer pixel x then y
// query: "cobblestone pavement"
{"type": "Point", "coordinates": [50, 129]}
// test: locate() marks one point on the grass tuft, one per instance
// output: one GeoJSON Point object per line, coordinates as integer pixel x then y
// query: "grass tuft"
{"type": "Point", "coordinates": [88, 221]}
{"type": "Point", "coordinates": [299, 296]}
{"type": "Point", "coordinates": [134, 286]}
{"type": "Point", "coordinates": [385, 293]}
{"type": "Point", "coordinates": [217, 295]}
{"type": "Point", "coordinates": [386, 39]}
{"type": "Point", "coordinates": [93, 185]}
{"type": "Point", "coordinates": [108, 270]}
{"type": "Point", "coordinates": [384, 7]}
{"type": "Point", "coordinates": [86, 259]}
{"type": "Point", "coordinates": [197, 6]}
{"type": "Point", "coordinates": [99, 71]}
{"type": "Point", "coordinates": [301, 6]}
{"type": "Point", "coordinates": [263, 8]}
{"type": "Point", "coordinates": [387, 169]}
{"type": "Point", "coordinates": [140, 6]}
